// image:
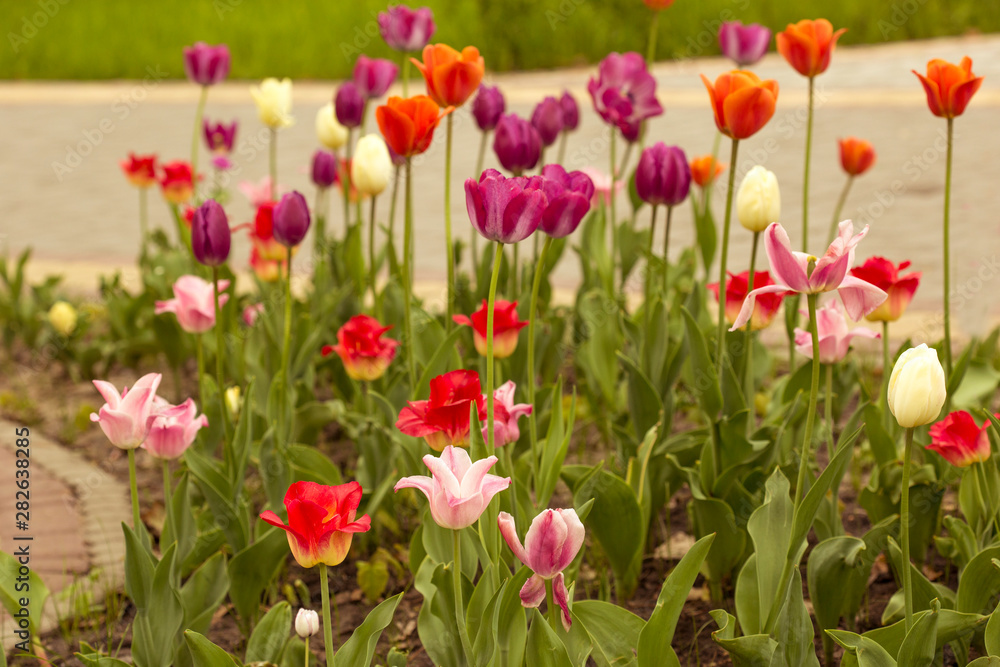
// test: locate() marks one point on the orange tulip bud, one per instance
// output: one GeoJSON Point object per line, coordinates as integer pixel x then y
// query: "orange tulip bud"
{"type": "Point", "coordinates": [808, 45]}
{"type": "Point", "coordinates": [705, 169]}
{"type": "Point", "coordinates": [451, 76]}
{"type": "Point", "coordinates": [856, 155]}
{"type": "Point", "coordinates": [742, 103]}
{"type": "Point", "coordinates": [949, 87]}
{"type": "Point", "coordinates": [408, 124]}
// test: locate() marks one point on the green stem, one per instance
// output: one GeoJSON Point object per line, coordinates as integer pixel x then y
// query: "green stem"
{"type": "Point", "coordinates": [550, 604]}
{"type": "Point", "coordinates": [220, 349]}
{"type": "Point", "coordinates": [611, 211]}
{"type": "Point", "coordinates": [272, 147]}
{"type": "Point", "coordinates": [134, 490]}
{"type": "Point", "coordinates": [790, 563]}
{"type": "Point", "coordinates": [835, 223]}
{"type": "Point", "coordinates": [306, 655]}
{"type": "Point", "coordinates": [720, 347]}
{"type": "Point", "coordinates": [666, 255]}
{"type": "Point", "coordinates": [474, 242]}
{"type": "Point", "coordinates": [490, 436]}
{"type": "Point", "coordinates": [904, 518]}
{"type": "Point", "coordinates": [562, 146]}
{"type": "Point", "coordinates": [143, 219]}
{"type": "Point", "coordinates": [393, 261]}
{"type": "Point", "coordinates": [168, 501]}
{"type": "Point", "coordinates": [286, 352]}
{"type": "Point", "coordinates": [450, 252]}
{"type": "Point", "coordinates": [408, 278]}
{"type": "Point", "coordinates": [828, 410]}
{"type": "Point", "coordinates": [514, 270]}
{"type": "Point", "coordinates": [748, 376]}
{"type": "Point", "coordinates": [647, 300]}
{"type": "Point", "coordinates": [508, 462]}
{"type": "Point", "coordinates": [532, 374]}
{"type": "Point", "coordinates": [319, 234]}
{"type": "Point", "coordinates": [886, 371]}
{"type": "Point", "coordinates": [371, 250]}
{"type": "Point", "coordinates": [199, 348]}
{"type": "Point", "coordinates": [463, 633]}
{"type": "Point", "coordinates": [651, 45]}
{"type": "Point", "coordinates": [327, 625]}
{"type": "Point", "coordinates": [198, 114]}
{"type": "Point", "coordinates": [947, 260]}
{"type": "Point", "coordinates": [622, 170]}
{"type": "Point", "coordinates": [805, 179]}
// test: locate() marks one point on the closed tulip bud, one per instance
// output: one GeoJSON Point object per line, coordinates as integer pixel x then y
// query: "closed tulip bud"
{"type": "Point", "coordinates": [291, 219]}
{"type": "Point", "coordinates": [373, 76]}
{"type": "Point", "coordinates": [62, 317]}
{"type": "Point", "coordinates": [488, 106]}
{"type": "Point", "coordinates": [406, 29]}
{"type": "Point", "coordinates": [571, 112]}
{"type": "Point", "coordinates": [517, 144]}
{"type": "Point", "coordinates": [856, 155]}
{"type": "Point", "coordinates": [274, 102]}
{"type": "Point", "coordinates": [350, 105]}
{"type": "Point", "coordinates": [743, 44]}
{"type": "Point", "coordinates": [808, 45]}
{"type": "Point", "coordinates": [547, 119]}
{"type": "Point", "coordinates": [758, 201]}
{"type": "Point", "coordinates": [663, 175]}
{"type": "Point", "coordinates": [306, 623]}
{"type": "Point", "coordinates": [206, 65]}
{"type": "Point", "coordinates": [371, 167]}
{"type": "Point", "coordinates": [234, 401]}
{"type": "Point", "coordinates": [330, 132]}
{"type": "Point", "coordinates": [324, 169]}
{"type": "Point", "coordinates": [917, 388]}
{"type": "Point", "coordinates": [210, 235]}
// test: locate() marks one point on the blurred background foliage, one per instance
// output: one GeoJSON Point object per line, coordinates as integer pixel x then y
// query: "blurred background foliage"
{"type": "Point", "coordinates": [106, 39]}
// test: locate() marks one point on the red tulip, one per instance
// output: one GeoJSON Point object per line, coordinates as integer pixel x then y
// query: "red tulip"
{"type": "Point", "coordinates": [321, 521]}
{"type": "Point", "coordinates": [443, 419]}
{"type": "Point", "coordinates": [140, 170]}
{"type": "Point", "coordinates": [177, 182]}
{"type": "Point", "coordinates": [506, 327]}
{"type": "Point", "coordinates": [808, 45]}
{"type": "Point", "coordinates": [885, 275]}
{"type": "Point", "coordinates": [949, 87]}
{"type": "Point", "coordinates": [960, 440]}
{"type": "Point", "coordinates": [408, 124]}
{"type": "Point", "coordinates": [366, 355]}
{"type": "Point", "coordinates": [766, 307]}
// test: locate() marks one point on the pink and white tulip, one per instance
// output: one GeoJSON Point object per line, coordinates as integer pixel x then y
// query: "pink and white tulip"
{"type": "Point", "coordinates": [834, 335]}
{"type": "Point", "coordinates": [125, 418]}
{"type": "Point", "coordinates": [173, 428]}
{"type": "Point", "coordinates": [505, 415]}
{"type": "Point", "coordinates": [194, 303]}
{"type": "Point", "coordinates": [458, 489]}
{"type": "Point", "coordinates": [790, 270]}
{"type": "Point", "coordinates": [552, 542]}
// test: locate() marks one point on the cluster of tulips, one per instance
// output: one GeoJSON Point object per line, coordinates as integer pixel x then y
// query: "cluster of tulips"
{"type": "Point", "coordinates": [472, 429]}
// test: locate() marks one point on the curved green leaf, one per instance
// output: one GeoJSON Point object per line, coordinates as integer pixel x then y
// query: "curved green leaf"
{"type": "Point", "coordinates": [359, 650]}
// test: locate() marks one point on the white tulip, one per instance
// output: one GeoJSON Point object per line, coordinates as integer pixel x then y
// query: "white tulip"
{"type": "Point", "coordinates": [274, 102]}
{"type": "Point", "coordinates": [371, 166]}
{"type": "Point", "coordinates": [331, 133]}
{"type": "Point", "coordinates": [306, 623]}
{"type": "Point", "coordinates": [758, 201]}
{"type": "Point", "coordinates": [917, 387]}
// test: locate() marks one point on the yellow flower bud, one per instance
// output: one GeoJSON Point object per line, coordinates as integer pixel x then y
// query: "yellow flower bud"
{"type": "Point", "coordinates": [274, 102]}
{"type": "Point", "coordinates": [917, 387]}
{"type": "Point", "coordinates": [62, 317]}
{"type": "Point", "coordinates": [758, 201]}
{"type": "Point", "coordinates": [331, 133]}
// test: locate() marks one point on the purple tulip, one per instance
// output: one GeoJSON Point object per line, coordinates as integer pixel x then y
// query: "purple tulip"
{"type": "Point", "coordinates": [488, 106]}
{"type": "Point", "coordinates": [548, 120]}
{"type": "Point", "coordinates": [569, 196]}
{"type": "Point", "coordinates": [206, 65]}
{"type": "Point", "coordinates": [503, 209]}
{"type": "Point", "coordinates": [291, 219]}
{"type": "Point", "coordinates": [220, 137]}
{"type": "Point", "coordinates": [517, 144]}
{"type": "Point", "coordinates": [210, 235]}
{"type": "Point", "coordinates": [405, 29]}
{"type": "Point", "coordinates": [743, 44]}
{"type": "Point", "coordinates": [324, 169]}
{"type": "Point", "coordinates": [349, 104]}
{"type": "Point", "coordinates": [571, 112]}
{"type": "Point", "coordinates": [663, 175]}
{"type": "Point", "coordinates": [373, 76]}
{"type": "Point", "coordinates": [624, 93]}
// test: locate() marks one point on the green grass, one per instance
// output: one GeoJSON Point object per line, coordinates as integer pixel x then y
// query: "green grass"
{"type": "Point", "coordinates": [104, 39]}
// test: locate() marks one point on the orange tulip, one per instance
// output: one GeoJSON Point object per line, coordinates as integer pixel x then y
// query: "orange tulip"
{"type": "Point", "coordinates": [856, 155]}
{"type": "Point", "coordinates": [408, 124]}
{"type": "Point", "coordinates": [705, 169]}
{"type": "Point", "coordinates": [949, 87]}
{"type": "Point", "coordinates": [808, 45]}
{"type": "Point", "coordinates": [742, 102]}
{"type": "Point", "coordinates": [451, 76]}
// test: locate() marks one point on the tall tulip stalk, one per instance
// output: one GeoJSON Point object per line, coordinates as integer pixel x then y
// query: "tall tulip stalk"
{"type": "Point", "coordinates": [856, 157]}
{"type": "Point", "coordinates": [487, 109]}
{"type": "Point", "coordinates": [371, 170]}
{"type": "Point", "coordinates": [205, 66]}
{"type": "Point", "coordinates": [274, 107]}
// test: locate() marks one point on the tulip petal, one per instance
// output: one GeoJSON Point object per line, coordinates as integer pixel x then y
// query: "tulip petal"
{"type": "Point", "coordinates": [561, 596]}
{"type": "Point", "coordinates": [473, 478]}
{"type": "Point", "coordinates": [509, 531]}
{"type": "Point", "coordinates": [789, 268]}
{"type": "Point", "coordinates": [747, 110]}
{"type": "Point", "coordinates": [109, 392]}
{"type": "Point", "coordinates": [422, 483]}
{"type": "Point", "coordinates": [860, 297]}
{"type": "Point", "coordinates": [746, 311]}
{"type": "Point", "coordinates": [533, 592]}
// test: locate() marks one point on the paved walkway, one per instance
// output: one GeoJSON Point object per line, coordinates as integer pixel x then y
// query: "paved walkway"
{"type": "Point", "coordinates": [65, 196]}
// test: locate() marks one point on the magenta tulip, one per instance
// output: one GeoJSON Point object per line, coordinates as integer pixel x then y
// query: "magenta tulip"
{"type": "Point", "coordinates": [373, 76]}
{"type": "Point", "coordinates": [571, 112]}
{"type": "Point", "coordinates": [349, 105]}
{"type": "Point", "coordinates": [219, 137]}
{"type": "Point", "coordinates": [663, 175]}
{"type": "Point", "coordinates": [194, 303]}
{"type": "Point", "coordinates": [569, 196]}
{"type": "Point", "coordinates": [547, 119]}
{"type": "Point", "coordinates": [834, 336]}
{"type": "Point", "coordinates": [206, 65]}
{"type": "Point", "coordinates": [506, 413]}
{"type": "Point", "coordinates": [458, 490]}
{"type": "Point", "coordinates": [173, 429]}
{"type": "Point", "coordinates": [324, 169]}
{"type": "Point", "coordinates": [743, 44]}
{"type": "Point", "coordinates": [291, 219]}
{"type": "Point", "coordinates": [210, 235]}
{"type": "Point", "coordinates": [405, 29]}
{"type": "Point", "coordinates": [488, 106]}
{"type": "Point", "coordinates": [125, 418]}
{"type": "Point", "coordinates": [791, 273]}
{"type": "Point", "coordinates": [517, 144]}
{"type": "Point", "coordinates": [503, 209]}
{"type": "Point", "coordinates": [624, 93]}
{"type": "Point", "coordinates": [553, 541]}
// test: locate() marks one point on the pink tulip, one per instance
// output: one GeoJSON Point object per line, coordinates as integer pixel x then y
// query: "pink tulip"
{"type": "Point", "coordinates": [506, 414]}
{"type": "Point", "coordinates": [259, 193]}
{"type": "Point", "coordinates": [458, 489]}
{"type": "Point", "coordinates": [251, 313]}
{"type": "Point", "coordinates": [552, 542]}
{"type": "Point", "coordinates": [602, 186]}
{"type": "Point", "coordinates": [125, 418]}
{"type": "Point", "coordinates": [194, 303]}
{"type": "Point", "coordinates": [834, 336]}
{"type": "Point", "coordinates": [173, 428]}
{"type": "Point", "coordinates": [790, 271]}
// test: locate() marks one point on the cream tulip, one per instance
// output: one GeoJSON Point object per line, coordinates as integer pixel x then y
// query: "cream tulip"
{"type": "Point", "coordinates": [331, 133]}
{"type": "Point", "coordinates": [917, 387]}
{"type": "Point", "coordinates": [274, 102]}
{"type": "Point", "coordinates": [62, 317]}
{"type": "Point", "coordinates": [306, 623]}
{"type": "Point", "coordinates": [758, 201]}
{"type": "Point", "coordinates": [371, 167]}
